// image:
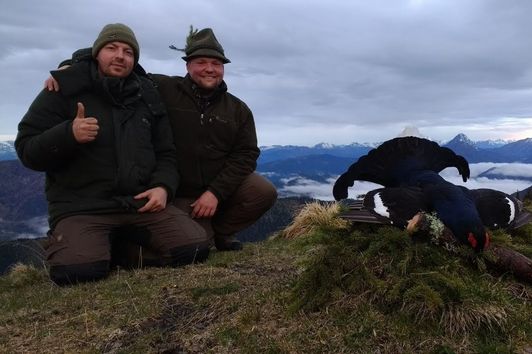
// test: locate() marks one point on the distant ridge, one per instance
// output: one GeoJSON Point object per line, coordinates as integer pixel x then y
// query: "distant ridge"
{"type": "Point", "coordinates": [279, 152]}
{"type": "Point", "coordinates": [23, 207]}
{"type": "Point", "coordinates": [481, 151]}
{"type": "Point", "coordinates": [516, 151]}
{"type": "Point", "coordinates": [7, 151]}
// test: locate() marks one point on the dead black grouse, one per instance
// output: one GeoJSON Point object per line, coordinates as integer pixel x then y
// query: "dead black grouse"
{"type": "Point", "coordinates": [408, 168]}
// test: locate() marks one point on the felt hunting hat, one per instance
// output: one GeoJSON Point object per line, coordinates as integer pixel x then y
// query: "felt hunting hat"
{"type": "Point", "coordinates": [116, 32]}
{"type": "Point", "coordinates": [204, 44]}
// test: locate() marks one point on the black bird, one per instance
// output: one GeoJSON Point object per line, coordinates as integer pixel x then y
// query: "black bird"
{"type": "Point", "coordinates": [408, 168]}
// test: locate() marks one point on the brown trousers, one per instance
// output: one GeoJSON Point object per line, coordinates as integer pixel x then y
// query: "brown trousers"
{"type": "Point", "coordinates": [82, 247]}
{"type": "Point", "coordinates": [255, 196]}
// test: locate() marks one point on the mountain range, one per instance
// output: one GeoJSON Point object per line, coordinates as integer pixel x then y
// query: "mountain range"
{"type": "Point", "coordinates": [7, 151]}
{"type": "Point", "coordinates": [481, 151]}
{"type": "Point", "coordinates": [282, 164]}
{"type": "Point", "coordinates": [517, 151]}
{"type": "Point", "coordinates": [473, 151]}
{"type": "Point", "coordinates": [23, 205]}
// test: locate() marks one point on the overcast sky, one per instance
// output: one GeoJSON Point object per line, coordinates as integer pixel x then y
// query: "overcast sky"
{"type": "Point", "coordinates": [332, 71]}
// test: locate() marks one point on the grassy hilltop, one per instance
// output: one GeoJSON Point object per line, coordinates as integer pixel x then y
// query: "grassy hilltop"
{"type": "Point", "coordinates": [320, 286]}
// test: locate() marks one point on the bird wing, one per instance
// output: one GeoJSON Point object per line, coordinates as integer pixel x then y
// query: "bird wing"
{"type": "Point", "coordinates": [500, 210]}
{"type": "Point", "coordinates": [395, 161]}
{"type": "Point", "coordinates": [396, 204]}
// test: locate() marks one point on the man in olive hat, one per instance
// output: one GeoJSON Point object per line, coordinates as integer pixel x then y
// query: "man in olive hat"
{"type": "Point", "coordinates": [105, 144]}
{"type": "Point", "coordinates": [216, 143]}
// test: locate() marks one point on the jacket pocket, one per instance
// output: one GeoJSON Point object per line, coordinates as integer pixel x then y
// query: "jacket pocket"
{"type": "Point", "coordinates": [222, 131]}
{"type": "Point", "coordinates": [142, 132]}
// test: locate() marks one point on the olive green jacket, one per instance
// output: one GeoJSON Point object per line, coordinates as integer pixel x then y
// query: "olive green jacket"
{"type": "Point", "coordinates": [215, 138]}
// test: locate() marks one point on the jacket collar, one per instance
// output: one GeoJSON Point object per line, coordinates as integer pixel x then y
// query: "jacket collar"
{"type": "Point", "coordinates": [84, 76]}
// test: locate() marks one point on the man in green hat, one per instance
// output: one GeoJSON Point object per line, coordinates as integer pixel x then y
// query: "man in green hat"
{"type": "Point", "coordinates": [216, 143]}
{"type": "Point", "coordinates": [106, 147]}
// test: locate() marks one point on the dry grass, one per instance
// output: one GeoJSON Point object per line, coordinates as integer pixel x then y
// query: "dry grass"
{"type": "Point", "coordinates": [367, 290]}
{"type": "Point", "coordinates": [22, 274]}
{"type": "Point", "coordinates": [315, 216]}
{"type": "Point", "coordinates": [191, 309]}
{"type": "Point", "coordinates": [467, 318]}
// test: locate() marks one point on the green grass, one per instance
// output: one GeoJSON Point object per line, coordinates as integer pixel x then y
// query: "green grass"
{"type": "Point", "coordinates": [419, 292]}
{"type": "Point", "coordinates": [332, 290]}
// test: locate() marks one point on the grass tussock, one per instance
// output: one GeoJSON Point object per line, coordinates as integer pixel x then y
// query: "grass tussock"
{"type": "Point", "coordinates": [417, 286]}
{"type": "Point", "coordinates": [21, 275]}
{"type": "Point", "coordinates": [315, 216]}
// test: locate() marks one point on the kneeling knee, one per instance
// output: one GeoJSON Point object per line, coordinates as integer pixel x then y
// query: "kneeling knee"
{"type": "Point", "coordinates": [271, 195]}
{"type": "Point", "coordinates": [79, 273]}
{"type": "Point", "coordinates": [189, 254]}
{"type": "Point", "coordinates": [265, 197]}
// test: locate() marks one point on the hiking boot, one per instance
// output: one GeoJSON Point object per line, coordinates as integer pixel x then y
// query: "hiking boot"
{"type": "Point", "coordinates": [228, 244]}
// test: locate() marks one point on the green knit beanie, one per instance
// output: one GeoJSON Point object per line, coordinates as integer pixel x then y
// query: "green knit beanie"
{"type": "Point", "coordinates": [203, 44]}
{"type": "Point", "coordinates": [116, 32]}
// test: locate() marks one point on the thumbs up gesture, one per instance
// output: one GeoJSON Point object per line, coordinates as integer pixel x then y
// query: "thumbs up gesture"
{"type": "Point", "coordinates": [84, 128]}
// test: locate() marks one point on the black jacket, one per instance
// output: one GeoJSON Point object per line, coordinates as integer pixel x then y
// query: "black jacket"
{"type": "Point", "coordinates": [215, 137]}
{"type": "Point", "coordinates": [133, 151]}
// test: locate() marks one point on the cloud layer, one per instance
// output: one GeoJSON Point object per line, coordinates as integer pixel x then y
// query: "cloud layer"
{"type": "Point", "coordinates": [510, 184]}
{"type": "Point", "coordinates": [335, 71]}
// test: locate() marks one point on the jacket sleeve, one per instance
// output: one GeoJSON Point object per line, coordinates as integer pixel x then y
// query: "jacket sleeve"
{"type": "Point", "coordinates": [242, 158]}
{"type": "Point", "coordinates": [85, 54]}
{"type": "Point", "coordinates": [45, 140]}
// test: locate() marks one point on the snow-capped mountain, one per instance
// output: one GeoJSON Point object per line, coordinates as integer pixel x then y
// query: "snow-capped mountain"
{"type": "Point", "coordinates": [7, 151]}
{"type": "Point", "coordinates": [481, 151]}
{"type": "Point", "coordinates": [281, 152]}
{"type": "Point", "coordinates": [517, 151]}
{"type": "Point", "coordinates": [492, 144]}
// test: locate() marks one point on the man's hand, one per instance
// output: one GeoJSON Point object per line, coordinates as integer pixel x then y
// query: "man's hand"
{"type": "Point", "coordinates": [156, 200]}
{"type": "Point", "coordinates": [51, 84]}
{"type": "Point", "coordinates": [84, 129]}
{"type": "Point", "coordinates": [205, 206]}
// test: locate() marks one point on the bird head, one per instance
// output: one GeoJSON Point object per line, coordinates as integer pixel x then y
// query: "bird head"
{"type": "Point", "coordinates": [458, 212]}
{"type": "Point", "coordinates": [469, 232]}
{"type": "Point", "coordinates": [479, 240]}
